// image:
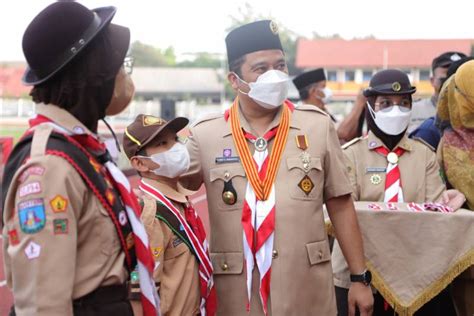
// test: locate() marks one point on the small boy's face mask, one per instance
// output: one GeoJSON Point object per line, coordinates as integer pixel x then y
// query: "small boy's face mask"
{"type": "Point", "coordinates": [172, 163]}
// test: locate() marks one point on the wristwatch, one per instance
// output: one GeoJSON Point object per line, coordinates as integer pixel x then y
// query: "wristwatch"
{"type": "Point", "coordinates": [365, 277]}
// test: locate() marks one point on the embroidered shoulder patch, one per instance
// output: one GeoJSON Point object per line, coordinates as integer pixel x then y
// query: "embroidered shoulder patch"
{"type": "Point", "coordinates": [30, 188]}
{"type": "Point", "coordinates": [60, 226]}
{"type": "Point", "coordinates": [32, 216]}
{"type": "Point", "coordinates": [58, 204]}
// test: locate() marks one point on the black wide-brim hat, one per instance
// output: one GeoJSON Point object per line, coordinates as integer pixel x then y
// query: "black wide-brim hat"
{"type": "Point", "coordinates": [389, 82]}
{"type": "Point", "coordinates": [61, 31]}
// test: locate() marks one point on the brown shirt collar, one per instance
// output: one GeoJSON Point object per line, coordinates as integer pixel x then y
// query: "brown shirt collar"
{"type": "Point", "coordinates": [181, 195]}
{"type": "Point", "coordinates": [274, 123]}
{"type": "Point", "coordinates": [62, 118]}
{"type": "Point", "coordinates": [374, 142]}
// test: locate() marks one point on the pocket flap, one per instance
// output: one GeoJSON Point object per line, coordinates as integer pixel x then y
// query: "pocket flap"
{"type": "Point", "coordinates": [227, 262]}
{"type": "Point", "coordinates": [296, 162]}
{"type": "Point", "coordinates": [318, 252]}
{"type": "Point", "coordinates": [226, 173]}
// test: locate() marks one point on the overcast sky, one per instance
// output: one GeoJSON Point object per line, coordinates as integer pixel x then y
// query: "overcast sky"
{"type": "Point", "coordinates": [193, 26]}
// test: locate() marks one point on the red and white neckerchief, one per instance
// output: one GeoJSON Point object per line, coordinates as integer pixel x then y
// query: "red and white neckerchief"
{"type": "Point", "coordinates": [258, 221]}
{"type": "Point", "coordinates": [393, 183]}
{"type": "Point", "coordinates": [196, 234]}
{"type": "Point", "coordinates": [258, 213]}
{"type": "Point", "coordinates": [145, 262]}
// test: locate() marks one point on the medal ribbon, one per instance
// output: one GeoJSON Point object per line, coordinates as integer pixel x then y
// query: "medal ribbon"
{"type": "Point", "coordinates": [261, 187]}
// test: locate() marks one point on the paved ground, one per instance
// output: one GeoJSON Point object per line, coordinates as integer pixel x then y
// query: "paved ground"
{"type": "Point", "coordinates": [6, 299]}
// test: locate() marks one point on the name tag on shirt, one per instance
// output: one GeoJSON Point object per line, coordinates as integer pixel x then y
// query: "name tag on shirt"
{"type": "Point", "coordinates": [375, 169]}
{"type": "Point", "coordinates": [232, 159]}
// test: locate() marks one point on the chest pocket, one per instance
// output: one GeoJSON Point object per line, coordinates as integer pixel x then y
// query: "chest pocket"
{"type": "Point", "coordinates": [220, 175]}
{"type": "Point", "coordinates": [305, 184]}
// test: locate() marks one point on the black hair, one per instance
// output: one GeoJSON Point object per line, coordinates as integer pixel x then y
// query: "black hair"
{"type": "Point", "coordinates": [236, 65]}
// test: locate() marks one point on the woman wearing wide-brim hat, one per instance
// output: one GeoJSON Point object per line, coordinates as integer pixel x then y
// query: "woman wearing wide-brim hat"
{"type": "Point", "coordinates": [387, 166]}
{"type": "Point", "coordinates": [73, 237]}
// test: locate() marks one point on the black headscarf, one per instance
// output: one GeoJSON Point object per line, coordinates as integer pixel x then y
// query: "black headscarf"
{"type": "Point", "coordinates": [85, 86]}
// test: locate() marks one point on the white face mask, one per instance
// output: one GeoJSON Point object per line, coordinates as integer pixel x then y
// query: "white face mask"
{"type": "Point", "coordinates": [270, 89]}
{"type": "Point", "coordinates": [173, 162]}
{"type": "Point", "coordinates": [392, 120]}
{"type": "Point", "coordinates": [327, 95]}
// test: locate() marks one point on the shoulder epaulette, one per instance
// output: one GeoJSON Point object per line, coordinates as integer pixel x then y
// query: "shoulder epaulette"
{"type": "Point", "coordinates": [424, 142]}
{"type": "Point", "coordinates": [307, 107]}
{"type": "Point", "coordinates": [351, 142]}
{"type": "Point", "coordinates": [205, 118]}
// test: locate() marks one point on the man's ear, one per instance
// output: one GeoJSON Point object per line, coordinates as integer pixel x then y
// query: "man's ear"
{"type": "Point", "coordinates": [233, 80]}
{"type": "Point", "coordinates": [138, 164]}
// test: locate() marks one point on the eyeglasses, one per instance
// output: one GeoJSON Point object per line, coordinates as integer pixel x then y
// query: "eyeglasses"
{"type": "Point", "coordinates": [128, 64]}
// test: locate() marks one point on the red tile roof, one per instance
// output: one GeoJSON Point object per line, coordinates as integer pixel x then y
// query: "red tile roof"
{"type": "Point", "coordinates": [338, 53]}
{"type": "Point", "coordinates": [10, 81]}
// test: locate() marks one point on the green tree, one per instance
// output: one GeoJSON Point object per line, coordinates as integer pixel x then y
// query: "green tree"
{"type": "Point", "coordinates": [202, 60]}
{"type": "Point", "coordinates": [149, 56]}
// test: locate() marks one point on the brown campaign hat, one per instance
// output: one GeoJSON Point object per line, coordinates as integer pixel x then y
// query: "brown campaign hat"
{"type": "Point", "coordinates": [145, 128]}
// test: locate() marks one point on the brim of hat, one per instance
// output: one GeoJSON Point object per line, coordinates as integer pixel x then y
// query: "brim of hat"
{"type": "Point", "coordinates": [175, 125]}
{"type": "Point", "coordinates": [372, 92]}
{"type": "Point", "coordinates": [105, 14]}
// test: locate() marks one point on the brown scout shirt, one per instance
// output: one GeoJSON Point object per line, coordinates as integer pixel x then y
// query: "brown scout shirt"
{"type": "Point", "coordinates": [178, 270]}
{"type": "Point", "coordinates": [419, 172]}
{"type": "Point", "coordinates": [76, 251]}
{"type": "Point", "coordinates": [301, 278]}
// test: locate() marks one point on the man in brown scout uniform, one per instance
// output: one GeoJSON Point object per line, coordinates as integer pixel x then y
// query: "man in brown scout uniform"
{"type": "Point", "coordinates": [154, 150]}
{"type": "Point", "coordinates": [312, 89]}
{"type": "Point", "coordinates": [68, 235]}
{"type": "Point", "coordinates": [388, 166]}
{"type": "Point", "coordinates": [268, 167]}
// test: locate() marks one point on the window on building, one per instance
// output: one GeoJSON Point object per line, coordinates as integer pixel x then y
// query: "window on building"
{"type": "Point", "coordinates": [332, 75]}
{"type": "Point", "coordinates": [424, 74]}
{"type": "Point", "coordinates": [407, 71]}
{"type": "Point", "coordinates": [349, 75]}
{"type": "Point", "coordinates": [366, 75]}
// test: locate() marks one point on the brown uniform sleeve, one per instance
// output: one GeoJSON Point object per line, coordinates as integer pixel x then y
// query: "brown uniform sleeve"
{"type": "Point", "coordinates": [434, 181]}
{"type": "Point", "coordinates": [193, 179]}
{"type": "Point", "coordinates": [154, 229]}
{"type": "Point", "coordinates": [48, 197]}
{"type": "Point", "coordinates": [336, 182]}
{"type": "Point", "coordinates": [349, 160]}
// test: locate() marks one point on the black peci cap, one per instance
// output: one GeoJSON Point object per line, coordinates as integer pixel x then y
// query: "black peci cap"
{"type": "Point", "coordinates": [252, 37]}
{"type": "Point", "coordinates": [389, 82]}
{"type": "Point", "coordinates": [446, 59]}
{"type": "Point", "coordinates": [308, 78]}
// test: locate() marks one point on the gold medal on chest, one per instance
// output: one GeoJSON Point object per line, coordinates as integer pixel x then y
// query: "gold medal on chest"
{"type": "Point", "coordinates": [306, 185]}
{"type": "Point", "coordinates": [228, 197]}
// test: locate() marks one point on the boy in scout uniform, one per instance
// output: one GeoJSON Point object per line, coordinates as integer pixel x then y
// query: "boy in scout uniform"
{"type": "Point", "coordinates": [268, 167]}
{"type": "Point", "coordinates": [388, 166]}
{"type": "Point", "coordinates": [68, 241]}
{"type": "Point", "coordinates": [154, 150]}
